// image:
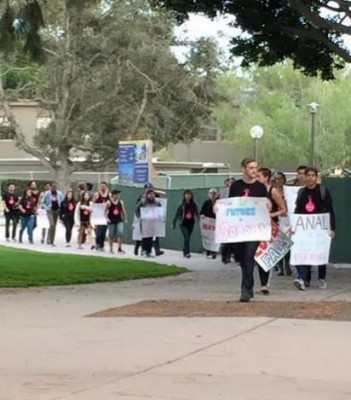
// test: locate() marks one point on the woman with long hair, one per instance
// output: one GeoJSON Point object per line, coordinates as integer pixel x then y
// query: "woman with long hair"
{"type": "Point", "coordinates": [27, 207]}
{"type": "Point", "coordinates": [83, 217]}
{"type": "Point", "coordinates": [186, 215]}
{"type": "Point", "coordinates": [207, 211]}
{"type": "Point", "coordinates": [67, 210]}
{"type": "Point", "coordinates": [278, 209]}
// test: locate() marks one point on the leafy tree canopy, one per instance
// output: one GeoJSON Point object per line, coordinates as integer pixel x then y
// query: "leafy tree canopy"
{"type": "Point", "coordinates": [309, 32]}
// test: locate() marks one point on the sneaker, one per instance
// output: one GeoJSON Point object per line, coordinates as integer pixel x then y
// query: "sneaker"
{"type": "Point", "coordinates": [68, 245]}
{"type": "Point", "coordinates": [160, 253]}
{"type": "Point", "coordinates": [188, 256]}
{"type": "Point", "coordinates": [307, 284]}
{"type": "Point", "coordinates": [7, 239]}
{"type": "Point", "coordinates": [14, 240]}
{"type": "Point", "coordinates": [264, 290]}
{"type": "Point", "coordinates": [120, 251]}
{"type": "Point", "coordinates": [245, 298]}
{"type": "Point", "coordinates": [214, 256]}
{"type": "Point", "coordinates": [322, 284]}
{"type": "Point", "coordinates": [299, 284]}
{"type": "Point", "coordinates": [149, 255]}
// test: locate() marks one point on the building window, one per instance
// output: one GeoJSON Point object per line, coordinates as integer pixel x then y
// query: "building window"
{"type": "Point", "coordinates": [210, 134]}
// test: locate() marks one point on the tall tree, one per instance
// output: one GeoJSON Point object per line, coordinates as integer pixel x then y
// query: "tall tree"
{"type": "Point", "coordinates": [277, 98]}
{"type": "Point", "coordinates": [109, 74]}
{"type": "Point", "coordinates": [307, 31]}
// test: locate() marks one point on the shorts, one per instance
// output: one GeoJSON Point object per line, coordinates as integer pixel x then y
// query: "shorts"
{"type": "Point", "coordinates": [116, 230]}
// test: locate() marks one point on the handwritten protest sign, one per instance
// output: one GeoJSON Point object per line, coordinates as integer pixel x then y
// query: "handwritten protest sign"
{"type": "Point", "coordinates": [152, 213]}
{"type": "Point", "coordinates": [208, 230]}
{"type": "Point", "coordinates": [270, 253]}
{"type": "Point", "coordinates": [311, 239]}
{"type": "Point", "coordinates": [242, 219]}
{"type": "Point", "coordinates": [98, 214]}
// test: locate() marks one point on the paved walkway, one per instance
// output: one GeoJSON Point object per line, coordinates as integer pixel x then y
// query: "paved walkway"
{"type": "Point", "coordinates": [50, 350]}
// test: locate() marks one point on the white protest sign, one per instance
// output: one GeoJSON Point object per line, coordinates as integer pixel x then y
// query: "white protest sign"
{"type": "Point", "coordinates": [270, 253]}
{"type": "Point", "coordinates": [242, 219]}
{"type": "Point", "coordinates": [153, 220]}
{"type": "Point", "coordinates": [208, 231]}
{"type": "Point", "coordinates": [42, 219]}
{"type": "Point", "coordinates": [98, 214]}
{"type": "Point", "coordinates": [152, 213]}
{"type": "Point", "coordinates": [136, 235]}
{"type": "Point", "coordinates": [311, 239]}
{"type": "Point", "coordinates": [290, 195]}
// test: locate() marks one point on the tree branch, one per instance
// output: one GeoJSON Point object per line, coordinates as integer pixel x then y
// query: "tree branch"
{"type": "Point", "coordinates": [316, 19]}
{"type": "Point", "coordinates": [95, 165]}
{"type": "Point", "coordinates": [317, 35]}
{"type": "Point", "coordinates": [141, 109]}
{"type": "Point", "coordinates": [152, 83]}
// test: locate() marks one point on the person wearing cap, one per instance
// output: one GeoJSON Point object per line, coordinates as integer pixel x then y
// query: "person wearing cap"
{"type": "Point", "coordinates": [116, 217]}
{"type": "Point", "coordinates": [156, 242]}
{"type": "Point", "coordinates": [149, 200]}
{"type": "Point", "coordinates": [207, 211]}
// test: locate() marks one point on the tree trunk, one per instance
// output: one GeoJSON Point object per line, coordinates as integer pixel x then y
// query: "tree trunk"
{"type": "Point", "coordinates": [63, 176]}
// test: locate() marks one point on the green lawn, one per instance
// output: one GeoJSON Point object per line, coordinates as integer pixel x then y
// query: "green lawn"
{"type": "Point", "coordinates": [24, 268]}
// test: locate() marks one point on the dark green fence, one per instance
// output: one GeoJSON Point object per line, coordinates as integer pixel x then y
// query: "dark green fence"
{"type": "Point", "coordinates": [339, 188]}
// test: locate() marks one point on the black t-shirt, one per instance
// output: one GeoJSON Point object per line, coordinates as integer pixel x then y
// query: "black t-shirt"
{"type": "Point", "coordinates": [11, 201]}
{"type": "Point", "coordinates": [115, 213]}
{"type": "Point", "coordinates": [243, 189]}
{"type": "Point", "coordinates": [310, 201]}
{"type": "Point", "coordinates": [28, 204]}
{"type": "Point", "coordinates": [67, 209]}
{"type": "Point", "coordinates": [54, 201]}
{"type": "Point", "coordinates": [84, 214]}
{"type": "Point", "coordinates": [207, 209]}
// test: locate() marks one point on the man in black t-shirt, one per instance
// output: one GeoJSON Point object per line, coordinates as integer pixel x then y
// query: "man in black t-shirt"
{"type": "Point", "coordinates": [11, 211]}
{"type": "Point", "coordinates": [313, 199]}
{"type": "Point", "coordinates": [248, 186]}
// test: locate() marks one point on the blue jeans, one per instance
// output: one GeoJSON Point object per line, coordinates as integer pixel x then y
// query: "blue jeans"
{"type": "Point", "coordinates": [101, 231]}
{"type": "Point", "coordinates": [186, 230]}
{"type": "Point", "coordinates": [27, 222]}
{"type": "Point", "coordinates": [304, 272]}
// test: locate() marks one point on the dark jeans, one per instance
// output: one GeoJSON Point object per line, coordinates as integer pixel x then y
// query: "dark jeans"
{"type": "Point", "coordinates": [27, 222]}
{"type": "Point", "coordinates": [101, 231]}
{"type": "Point", "coordinates": [264, 276]}
{"type": "Point", "coordinates": [53, 217]}
{"type": "Point", "coordinates": [146, 245]}
{"type": "Point", "coordinates": [246, 256]}
{"type": "Point", "coordinates": [156, 245]}
{"type": "Point", "coordinates": [304, 272]}
{"type": "Point", "coordinates": [11, 216]}
{"type": "Point", "coordinates": [186, 230]}
{"type": "Point", "coordinates": [68, 224]}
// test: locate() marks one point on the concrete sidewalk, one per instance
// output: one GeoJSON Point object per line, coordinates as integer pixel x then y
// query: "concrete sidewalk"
{"type": "Point", "coordinates": [50, 350]}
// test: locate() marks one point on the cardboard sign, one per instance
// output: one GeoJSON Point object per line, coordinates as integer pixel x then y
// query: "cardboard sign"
{"type": "Point", "coordinates": [242, 219]}
{"type": "Point", "coordinates": [290, 195]}
{"type": "Point", "coordinates": [270, 253]}
{"type": "Point", "coordinates": [208, 234]}
{"type": "Point", "coordinates": [311, 239]}
{"type": "Point", "coordinates": [42, 219]}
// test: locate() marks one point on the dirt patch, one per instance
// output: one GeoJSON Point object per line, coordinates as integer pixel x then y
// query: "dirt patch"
{"type": "Point", "coordinates": [322, 310]}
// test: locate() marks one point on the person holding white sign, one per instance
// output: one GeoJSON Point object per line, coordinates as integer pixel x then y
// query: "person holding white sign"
{"type": "Point", "coordinates": [149, 224]}
{"type": "Point", "coordinates": [208, 212]}
{"type": "Point", "coordinates": [248, 186]}
{"type": "Point", "coordinates": [101, 197]}
{"type": "Point", "coordinates": [82, 218]}
{"type": "Point", "coordinates": [313, 199]}
{"type": "Point", "coordinates": [278, 209]}
{"type": "Point", "coordinates": [186, 214]}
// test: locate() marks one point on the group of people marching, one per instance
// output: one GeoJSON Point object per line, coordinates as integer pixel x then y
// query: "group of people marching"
{"type": "Point", "coordinates": [72, 209]}
{"type": "Point", "coordinates": [77, 209]}
{"type": "Point", "coordinates": [312, 198]}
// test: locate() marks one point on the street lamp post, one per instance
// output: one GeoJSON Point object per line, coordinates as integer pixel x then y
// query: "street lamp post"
{"type": "Point", "coordinates": [256, 133]}
{"type": "Point", "coordinates": [313, 107]}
